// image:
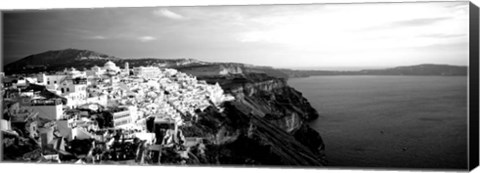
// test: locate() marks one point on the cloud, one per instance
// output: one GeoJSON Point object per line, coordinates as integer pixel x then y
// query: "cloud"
{"type": "Point", "coordinates": [407, 23]}
{"type": "Point", "coordinates": [437, 35]}
{"type": "Point", "coordinates": [97, 37]}
{"type": "Point", "coordinates": [419, 22]}
{"type": "Point", "coordinates": [146, 38]}
{"type": "Point", "coordinates": [168, 14]}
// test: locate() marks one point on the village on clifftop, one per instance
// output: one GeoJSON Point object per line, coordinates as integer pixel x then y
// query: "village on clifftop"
{"type": "Point", "coordinates": [104, 114]}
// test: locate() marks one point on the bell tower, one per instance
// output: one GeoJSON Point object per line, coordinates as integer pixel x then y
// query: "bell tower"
{"type": "Point", "coordinates": [127, 68]}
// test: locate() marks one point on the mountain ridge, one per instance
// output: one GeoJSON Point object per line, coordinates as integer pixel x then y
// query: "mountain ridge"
{"type": "Point", "coordinates": [69, 54]}
{"type": "Point", "coordinates": [55, 60]}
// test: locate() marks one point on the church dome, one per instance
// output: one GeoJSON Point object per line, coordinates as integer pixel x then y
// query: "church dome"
{"type": "Point", "coordinates": [109, 64]}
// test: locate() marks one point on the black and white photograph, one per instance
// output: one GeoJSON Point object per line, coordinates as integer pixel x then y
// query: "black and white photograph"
{"type": "Point", "coordinates": [376, 85]}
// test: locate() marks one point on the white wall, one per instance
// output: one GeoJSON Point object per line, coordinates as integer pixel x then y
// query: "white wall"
{"type": "Point", "coordinates": [51, 79]}
{"type": "Point", "coordinates": [102, 100]}
{"type": "Point", "coordinates": [51, 112]}
{"type": "Point", "coordinates": [64, 129]}
{"type": "Point", "coordinates": [118, 118]}
{"type": "Point", "coordinates": [5, 125]}
{"type": "Point", "coordinates": [80, 133]}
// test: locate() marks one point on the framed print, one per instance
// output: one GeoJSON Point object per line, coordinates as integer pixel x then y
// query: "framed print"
{"type": "Point", "coordinates": [314, 86]}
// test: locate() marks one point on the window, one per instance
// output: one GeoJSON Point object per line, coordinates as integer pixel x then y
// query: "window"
{"type": "Point", "coordinates": [55, 82]}
{"type": "Point", "coordinates": [68, 89]}
{"type": "Point", "coordinates": [48, 82]}
{"type": "Point", "coordinates": [63, 90]}
{"type": "Point", "coordinates": [122, 116]}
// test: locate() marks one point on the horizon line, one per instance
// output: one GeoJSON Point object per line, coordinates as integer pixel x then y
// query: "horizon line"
{"type": "Point", "coordinates": [316, 68]}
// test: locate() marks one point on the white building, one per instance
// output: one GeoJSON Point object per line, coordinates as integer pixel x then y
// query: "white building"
{"type": "Point", "coordinates": [5, 125]}
{"type": "Point", "coordinates": [111, 68]}
{"type": "Point", "coordinates": [147, 72]}
{"type": "Point", "coordinates": [216, 94]}
{"type": "Point", "coordinates": [96, 71]}
{"type": "Point", "coordinates": [74, 90]}
{"type": "Point", "coordinates": [64, 129]}
{"type": "Point", "coordinates": [73, 73]}
{"type": "Point", "coordinates": [48, 109]}
{"type": "Point", "coordinates": [126, 71]}
{"type": "Point", "coordinates": [80, 133]}
{"type": "Point", "coordinates": [122, 117]}
{"type": "Point", "coordinates": [101, 99]}
{"type": "Point", "coordinates": [46, 136]}
{"type": "Point", "coordinates": [52, 82]}
{"type": "Point", "coordinates": [170, 71]}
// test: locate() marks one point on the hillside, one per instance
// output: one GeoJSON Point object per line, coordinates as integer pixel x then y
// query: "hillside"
{"type": "Point", "coordinates": [266, 124]}
{"type": "Point", "coordinates": [60, 59]}
{"type": "Point", "coordinates": [80, 59]}
{"type": "Point", "coordinates": [57, 58]}
{"type": "Point", "coordinates": [229, 69]}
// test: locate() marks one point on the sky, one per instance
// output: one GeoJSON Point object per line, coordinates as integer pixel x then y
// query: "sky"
{"type": "Point", "coordinates": [283, 36]}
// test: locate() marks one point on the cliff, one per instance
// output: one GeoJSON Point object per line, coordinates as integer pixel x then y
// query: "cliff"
{"type": "Point", "coordinates": [265, 125]}
{"type": "Point", "coordinates": [226, 69]}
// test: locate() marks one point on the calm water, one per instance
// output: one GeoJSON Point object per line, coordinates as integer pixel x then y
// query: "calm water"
{"type": "Point", "coordinates": [390, 121]}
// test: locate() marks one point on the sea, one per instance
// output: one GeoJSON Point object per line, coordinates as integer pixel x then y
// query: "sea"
{"type": "Point", "coordinates": [417, 122]}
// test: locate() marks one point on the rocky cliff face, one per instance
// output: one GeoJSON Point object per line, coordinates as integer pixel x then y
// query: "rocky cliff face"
{"type": "Point", "coordinates": [274, 100]}
{"type": "Point", "coordinates": [226, 69]}
{"type": "Point", "coordinates": [265, 125]}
